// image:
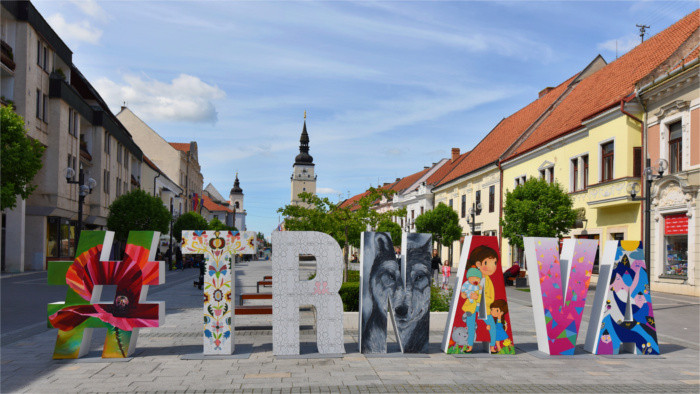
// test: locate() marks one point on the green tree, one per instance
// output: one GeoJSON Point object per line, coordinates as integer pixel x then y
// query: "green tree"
{"type": "Point", "coordinates": [218, 225]}
{"type": "Point", "coordinates": [20, 157]}
{"type": "Point", "coordinates": [443, 223]}
{"type": "Point", "coordinates": [387, 226]}
{"type": "Point", "coordinates": [537, 209]}
{"type": "Point", "coordinates": [344, 224]}
{"type": "Point", "coordinates": [137, 210]}
{"type": "Point", "coordinates": [188, 221]}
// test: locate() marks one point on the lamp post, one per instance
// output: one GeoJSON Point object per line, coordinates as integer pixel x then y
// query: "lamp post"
{"type": "Point", "coordinates": [633, 190]}
{"type": "Point", "coordinates": [84, 190]}
{"type": "Point", "coordinates": [473, 211]}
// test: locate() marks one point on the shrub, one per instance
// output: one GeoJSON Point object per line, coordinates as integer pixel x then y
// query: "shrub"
{"type": "Point", "coordinates": [439, 299]}
{"type": "Point", "coordinates": [350, 294]}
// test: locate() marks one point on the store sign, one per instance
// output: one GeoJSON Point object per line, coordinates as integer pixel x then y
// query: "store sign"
{"type": "Point", "coordinates": [676, 224]}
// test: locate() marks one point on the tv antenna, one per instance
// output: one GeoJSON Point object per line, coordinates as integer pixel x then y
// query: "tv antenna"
{"type": "Point", "coordinates": [642, 30]}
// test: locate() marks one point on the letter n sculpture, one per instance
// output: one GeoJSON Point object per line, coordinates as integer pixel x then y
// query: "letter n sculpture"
{"type": "Point", "coordinates": [218, 248]}
{"type": "Point", "coordinates": [558, 288]}
{"type": "Point", "coordinates": [82, 311]}
{"type": "Point", "coordinates": [622, 311]}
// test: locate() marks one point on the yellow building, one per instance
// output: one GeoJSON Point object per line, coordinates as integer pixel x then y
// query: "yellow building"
{"type": "Point", "coordinates": [591, 143]}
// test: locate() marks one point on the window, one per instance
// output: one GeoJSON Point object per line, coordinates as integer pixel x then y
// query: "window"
{"type": "Point", "coordinates": [637, 161]}
{"type": "Point", "coordinates": [45, 100]}
{"type": "Point", "coordinates": [492, 198]}
{"type": "Point", "coordinates": [59, 235]}
{"type": "Point", "coordinates": [46, 58]}
{"type": "Point", "coordinates": [39, 57]}
{"type": "Point", "coordinates": [38, 104]}
{"type": "Point", "coordinates": [477, 199]}
{"type": "Point", "coordinates": [520, 180]}
{"type": "Point", "coordinates": [584, 160]}
{"type": "Point", "coordinates": [450, 203]}
{"type": "Point", "coordinates": [73, 122]}
{"type": "Point", "coordinates": [238, 204]}
{"type": "Point", "coordinates": [608, 160]}
{"type": "Point", "coordinates": [119, 187]}
{"type": "Point", "coordinates": [676, 244]}
{"type": "Point", "coordinates": [126, 158]}
{"type": "Point", "coordinates": [413, 214]}
{"type": "Point", "coordinates": [675, 152]}
{"type": "Point", "coordinates": [105, 181]}
{"type": "Point", "coordinates": [106, 143]}
{"type": "Point", "coordinates": [464, 205]}
{"type": "Point", "coordinates": [119, 153]}
{"type": "Point", "coordinates": [574, 174]}
{"type": "Point", "coordinates": [421, 210]}
{"type": "Point", "coordinates": [72, 164]}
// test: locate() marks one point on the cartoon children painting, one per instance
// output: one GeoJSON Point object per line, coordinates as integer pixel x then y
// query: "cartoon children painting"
{"type": "Point", "coordinates": [497, 325]}
{"type": "Point", "coordinates": [481, 264]}
{"type": "Point", "coordinates": [471, 292]}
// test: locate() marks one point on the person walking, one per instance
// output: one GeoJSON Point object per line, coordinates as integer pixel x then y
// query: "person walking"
{"type": "Point", "coordinates": [435, 265]}
{"type": "Point", "coordinates": [178, 258]}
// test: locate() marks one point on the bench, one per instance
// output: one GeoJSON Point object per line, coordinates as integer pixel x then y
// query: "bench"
{"type": "Point", "coordinates": [267, 277]}
{"type": "Point", "coordinates": [254, 310]}
{"type": "Point", "coordinates": [254, 296]}
{"type": "Point", "coordinates": [263, 283]}
{"type": "Point", "coordinates": [518, 281]}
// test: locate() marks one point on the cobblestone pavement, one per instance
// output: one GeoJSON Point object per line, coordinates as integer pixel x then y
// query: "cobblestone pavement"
{"type": "Point", "coordinates": [156, 366]}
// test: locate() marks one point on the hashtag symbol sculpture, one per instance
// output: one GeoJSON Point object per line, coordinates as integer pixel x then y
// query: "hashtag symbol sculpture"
{"type": "Point", "coordinates": [82, 311]}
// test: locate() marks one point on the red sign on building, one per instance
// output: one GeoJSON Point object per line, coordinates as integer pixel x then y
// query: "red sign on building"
{"type": "Point", "coordinates": [676, 224]}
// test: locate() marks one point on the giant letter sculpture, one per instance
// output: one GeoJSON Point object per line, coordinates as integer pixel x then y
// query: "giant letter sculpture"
{"type": "Point", "coordinates": [81, 312]}
{"type": "Point", "coordinates": [289, 293]}
{"type": "Point", "coordinates": [558, 289]}
{"type": "Point", "coordinates": [479, 308]}
{"type": "Point", "coordinates": [218, 247]}
{"type": "Point", "coordinates": [405, 285]}
{"type": "Point", "coordinates": [622, 311]}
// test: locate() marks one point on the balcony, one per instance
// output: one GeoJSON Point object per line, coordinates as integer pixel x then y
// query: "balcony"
{"type": "Point", "coordinates": [6, 55]}
{"type": "Point", "coordinates": [611, 193]}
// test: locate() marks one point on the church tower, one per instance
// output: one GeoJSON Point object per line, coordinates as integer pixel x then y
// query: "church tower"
{"type": "Point", "coordinates": [303, 178]}
{"type": "Point", "coordinates": [236, 205]}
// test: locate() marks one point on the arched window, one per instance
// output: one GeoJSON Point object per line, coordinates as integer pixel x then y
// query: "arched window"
{"type": "Point", "coordinates": [238, 205]}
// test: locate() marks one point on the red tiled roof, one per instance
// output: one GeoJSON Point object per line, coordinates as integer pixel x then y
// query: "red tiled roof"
{"type": "Point", "coordinates": [181, 146]}
{"type": "Point", "coordinates": [496, 142]}
{"type": "Point", "coordinates": [352, 201]}
{"type": "Point", "coordinates": [445, 169]}
{"type": "Point", "coordinates": [407, 181]}
{"type": "Point", "coordinates": [211, 206]}
{"type": "Point", "coordinates": [605, 88]}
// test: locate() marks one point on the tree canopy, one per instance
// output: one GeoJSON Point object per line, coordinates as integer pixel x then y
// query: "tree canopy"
{"type": "Point", "coordinates": [387, 226]}
{"type": "Point", "coordinates": [537, 209]}
{"type": "Point", "coordinates": [137, 210]}
{"type": "Point", "coordinates": [189, 221]}
{"type": "Point", "coordinates": [20, 159]}
{"type": "Point", "coordinates": [442, 222]}
{"type": "Point", "coordinates": [216, 224]}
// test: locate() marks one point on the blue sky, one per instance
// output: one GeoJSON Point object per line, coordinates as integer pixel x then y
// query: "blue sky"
{"type": "Point", "coordinates": [388, 86]}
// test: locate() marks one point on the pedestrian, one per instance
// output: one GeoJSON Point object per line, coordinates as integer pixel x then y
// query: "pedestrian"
{"type": "Point", "coordinates": [178, 258]}
{"type": "Point", "coordinates": [435, 265]}
{"type": "Point", "coordinates": [446, 270]}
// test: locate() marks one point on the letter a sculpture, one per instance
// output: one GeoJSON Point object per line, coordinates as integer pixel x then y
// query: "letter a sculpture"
{"type": "Point", "coordinates": [218, 248]}
{"type": "Point", "coordinates": [81, 311]}
{"type": "Point", "coordinates": [622, 311]}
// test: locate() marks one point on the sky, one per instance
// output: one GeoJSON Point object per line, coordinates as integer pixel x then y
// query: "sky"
{"type": "Point", "coordinates": [388, 87]}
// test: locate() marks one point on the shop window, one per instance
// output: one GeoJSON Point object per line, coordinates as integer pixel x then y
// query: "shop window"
{"type": "Point", "coordinates": [675, 150]}
{"type": "Point", "coordinates": [676, 242]}
{"type": "Point", "coordinates": [67, 238]}
{"type": "Point", "coordinates": [607, 160]}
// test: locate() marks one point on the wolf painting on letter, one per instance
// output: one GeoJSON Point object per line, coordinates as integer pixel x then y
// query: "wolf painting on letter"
{"type": "Point", "coordinates": [479, 308]}
{"type": "Point", "coordinates": [402, 283]}
{"type": "Point", "coordinates": [622, 310]}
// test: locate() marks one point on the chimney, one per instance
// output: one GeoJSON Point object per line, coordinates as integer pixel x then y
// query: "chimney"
{"type": "Point", "coordinates": [545, 91]}
{"type": "Point", "coordinates": [455, 154]}
{"type": "Point", "coordinates": [425, 167]}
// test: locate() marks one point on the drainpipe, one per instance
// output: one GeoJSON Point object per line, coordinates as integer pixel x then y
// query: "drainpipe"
{"type": "Point", "coordinates": [500, 209]}
{"type": "Point", "coordinates": [154, 184]}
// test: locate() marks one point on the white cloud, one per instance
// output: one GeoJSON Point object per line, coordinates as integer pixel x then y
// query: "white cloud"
{"type": "Point", "coordinates": [186, 98]}
{"type": "Point", "coordinates": [621, 45]}
{"type": "Point", "coordinates": [80, 31]}
{"type": "Point", "coordinates": [326, 190]}
{"type": "Point", "coordinates": [91, 8]}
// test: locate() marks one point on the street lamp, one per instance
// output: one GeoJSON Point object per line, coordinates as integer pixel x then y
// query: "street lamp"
{"type": "Point", "coordinates": [473, 211]}
{"type": "Point", "coordinates": [83, 190]}
{"type": "Point", "coordinates": [172, 221]}
{"type": "Point", "coordinates": [633, 189]}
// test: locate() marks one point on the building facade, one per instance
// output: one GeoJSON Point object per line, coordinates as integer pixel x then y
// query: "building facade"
{"type": "Point", "coordinates": [671, 97]}
{"type": "Point", "coordinates": [65, 113]}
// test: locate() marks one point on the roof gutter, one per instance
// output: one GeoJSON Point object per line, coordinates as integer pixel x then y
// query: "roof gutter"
{"type": "Point", "coordinates": [668, 75]}
{"type": "Point", "coordinates": [622, 107]}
